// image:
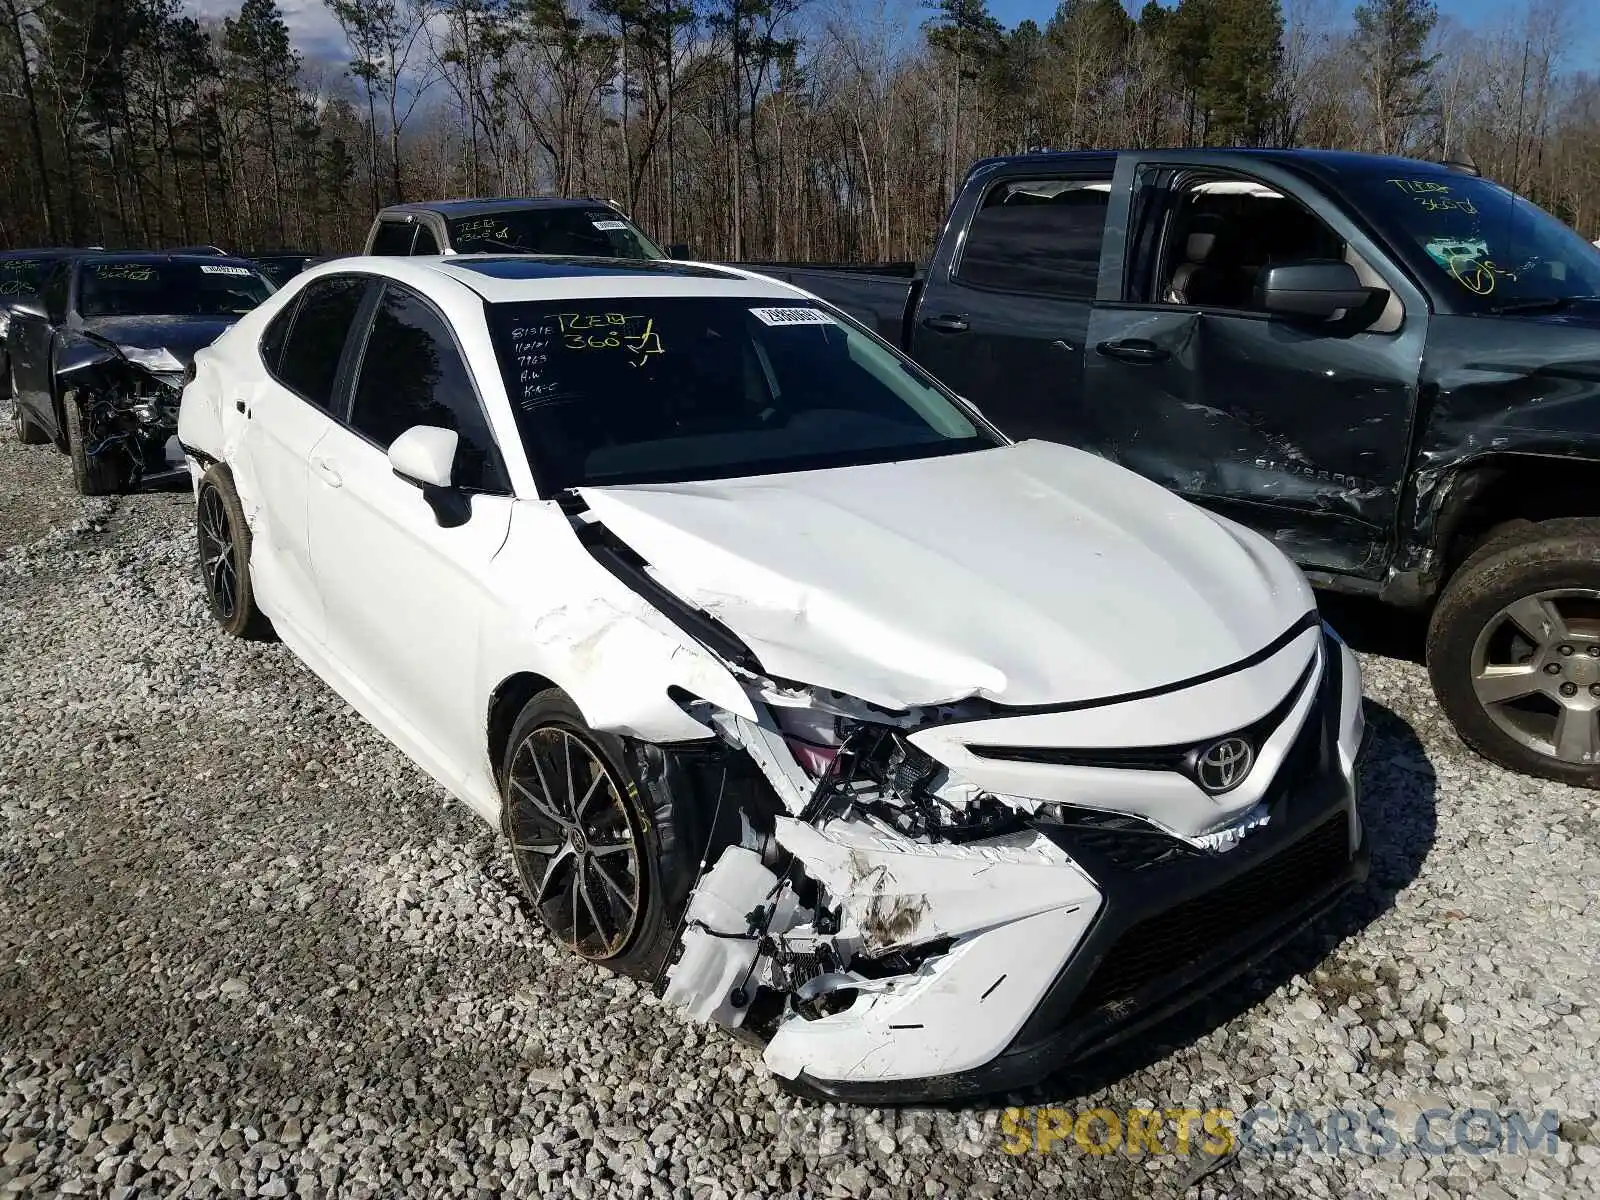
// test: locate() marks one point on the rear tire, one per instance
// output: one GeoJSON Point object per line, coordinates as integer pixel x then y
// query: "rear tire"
{"type": "Point", "coordinates": [223, 538]}
{"type": "Point", "coordinates": [1514, 650]}
{"type": "Point", "coordinates": [100, 475]}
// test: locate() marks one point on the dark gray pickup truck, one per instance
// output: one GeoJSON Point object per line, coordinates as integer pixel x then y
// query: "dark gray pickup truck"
{"type": "Point", "coordinates": [1389, 367]}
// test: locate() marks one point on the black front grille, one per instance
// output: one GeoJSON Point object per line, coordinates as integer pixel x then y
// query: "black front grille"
{"type": "Point", "coordinates": [1183, 935]}
{"type": "Point", "coordinates": [1125, 842]}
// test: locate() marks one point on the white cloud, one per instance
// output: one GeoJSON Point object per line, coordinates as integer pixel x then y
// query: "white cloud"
{"type": "Point", "coordinates": [311, 26]}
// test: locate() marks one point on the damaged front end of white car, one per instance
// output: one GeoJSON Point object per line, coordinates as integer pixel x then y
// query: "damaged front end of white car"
{"type": "Point", "coordinates": [958, 897]}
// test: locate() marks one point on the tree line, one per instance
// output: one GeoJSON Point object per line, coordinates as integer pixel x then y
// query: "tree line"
{"type": "Point", "coordinates": [749, 129]}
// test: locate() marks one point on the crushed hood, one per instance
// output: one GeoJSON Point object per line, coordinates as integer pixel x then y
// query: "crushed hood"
{"type": "Point", "coordinates": [180, 335]}
{"type": "Point", "coordinates": [1028, 574]}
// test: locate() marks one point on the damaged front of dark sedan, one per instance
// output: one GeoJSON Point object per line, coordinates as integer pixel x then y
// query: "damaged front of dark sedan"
{"type": "Point", "coordinates": [98, 358]}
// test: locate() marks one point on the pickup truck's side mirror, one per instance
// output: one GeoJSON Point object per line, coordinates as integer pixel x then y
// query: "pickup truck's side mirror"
{"type": "Point", "coordinates": [29, 308]}
{"type": "Point", "coordinates": [1310, 289]}
{"type": "Point", "coordinates": [425, 456]}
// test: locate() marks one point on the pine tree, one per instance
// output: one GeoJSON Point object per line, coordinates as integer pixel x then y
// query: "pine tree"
{"type": "Point", "coordinates": [1397, 76]}
{"type": "Point", "coordinates": [1241, 88]}
{"type": "Point", "coordinates": [967, 36]}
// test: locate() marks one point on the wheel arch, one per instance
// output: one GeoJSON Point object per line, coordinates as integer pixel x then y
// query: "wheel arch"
{"type": "Point", "coordinates": [1496, 493]}
{"type": "Point", "coordinates": [508, 698]}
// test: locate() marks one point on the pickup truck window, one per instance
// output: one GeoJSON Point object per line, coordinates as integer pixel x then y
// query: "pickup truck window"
{"type": "Point", "coordinates": [673, 388]}
{"type": "Point", "coordinates": [569, 230]}
{"type": "Point", "coordinates": [426, 243]}
{"type": "Point", "coordinates": [394, 237]}
{"type": "Point", "coordinates": [1222, 232]}
{"type": "Point", "coordinates": [1038, 235]}
{"type": "Point", "coordinates": [1491, 250]}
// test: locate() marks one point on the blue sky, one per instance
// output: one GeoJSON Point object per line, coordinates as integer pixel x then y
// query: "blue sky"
{"type": "Point", "coordinates": [1583, 53]}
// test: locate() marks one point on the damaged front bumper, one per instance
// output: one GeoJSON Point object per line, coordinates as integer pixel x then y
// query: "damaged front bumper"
{"type": "Point", "coordinates": [129, 412]}
{"type": "Point", "coordinates": [902, 931]}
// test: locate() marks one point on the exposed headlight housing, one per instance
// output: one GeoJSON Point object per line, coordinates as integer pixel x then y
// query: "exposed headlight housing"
{"type": "Point", "coordinates": [162, 360]}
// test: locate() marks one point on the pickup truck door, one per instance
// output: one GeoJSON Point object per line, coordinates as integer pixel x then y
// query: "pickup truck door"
{"type": "Point", "coordinates": [1005, 308]}
{"type": "Point", "coordinates": [1298, 428]}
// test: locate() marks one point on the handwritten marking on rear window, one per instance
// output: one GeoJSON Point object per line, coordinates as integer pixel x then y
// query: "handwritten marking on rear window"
{"type": "Point", "coordinates": [136, 272]}
{"type": "Point", "coordinates": [791, 316]}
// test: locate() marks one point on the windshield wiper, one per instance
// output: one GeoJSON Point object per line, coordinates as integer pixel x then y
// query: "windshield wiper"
{"type": "Point", "coordinates": [1538, 304]}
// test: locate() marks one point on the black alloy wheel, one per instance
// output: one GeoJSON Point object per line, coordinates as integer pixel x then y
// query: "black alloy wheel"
{"type": "Point", "coordinates": [576, 841]}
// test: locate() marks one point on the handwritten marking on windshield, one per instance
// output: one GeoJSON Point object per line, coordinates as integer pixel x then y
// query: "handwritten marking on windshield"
{"type": "Point", "coordinates": [1416, 187]}
{"type": "Point", "coordinates": [1477, 275]}
{"type": "Point", "coordinates": [135, 272]}
{"type": "Point", "coordinates": [610, 331]}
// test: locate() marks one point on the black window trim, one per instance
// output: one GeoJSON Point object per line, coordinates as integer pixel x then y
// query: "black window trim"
{"type": "Point", "coordinates": [1098, 174]}
{"type": "Point", "coordinates": [296, 304]}
{"type": "Point", "coordinates": [289, 313]}
{"type": "Point", "coordinates": [349, 378]}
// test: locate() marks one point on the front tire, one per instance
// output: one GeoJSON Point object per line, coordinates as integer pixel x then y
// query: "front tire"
{"type": "Point", "coordinates": [1514, 651]}
{"type": "Point", "coordinates": [223, 538]}
{"type": "Point", "coordinates": [588, 851]}
{"type": "Point", "coordinates": [99, 475]}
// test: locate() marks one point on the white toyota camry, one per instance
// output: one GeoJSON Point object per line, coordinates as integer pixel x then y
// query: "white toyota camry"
{"type": "Point", "coordinates": [930, 760]}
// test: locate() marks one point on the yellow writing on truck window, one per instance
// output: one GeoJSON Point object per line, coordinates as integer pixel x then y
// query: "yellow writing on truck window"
{"type": "Point", "coordinates": [1418, 187]}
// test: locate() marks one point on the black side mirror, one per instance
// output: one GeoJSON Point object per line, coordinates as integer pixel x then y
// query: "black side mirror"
{"type": "Point", "coordinates": [29, 308]}
{"type": "Point", "coordinates": [679, 250]}
{"type": "Point", "coordinates": [1317, 289]}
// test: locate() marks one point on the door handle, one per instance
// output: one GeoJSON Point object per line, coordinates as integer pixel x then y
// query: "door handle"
{"type": "Point", "coordinates": [946, 323]}
{"type": "Point", "coordinates": [240, 407]}
{"type": "Point", "coordinates": [327, 472]}
{"type": "Point", "coordinates": [1134, 350]}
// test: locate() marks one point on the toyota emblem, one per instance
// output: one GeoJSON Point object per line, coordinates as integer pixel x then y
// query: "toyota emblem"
{"type": "Point", "coordinates": [1223, 765]}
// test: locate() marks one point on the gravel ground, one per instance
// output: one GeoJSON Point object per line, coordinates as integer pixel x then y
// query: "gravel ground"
{"type": "Point", "coordinates": [246, 948]}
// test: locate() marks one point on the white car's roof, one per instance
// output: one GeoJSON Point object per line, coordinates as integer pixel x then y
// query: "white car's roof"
{"type": "Point", "coordinates": [501, 279]}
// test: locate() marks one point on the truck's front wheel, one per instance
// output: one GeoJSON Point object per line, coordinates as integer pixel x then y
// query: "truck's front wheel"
{"type": "Point", "coordinates": [1514, 651]}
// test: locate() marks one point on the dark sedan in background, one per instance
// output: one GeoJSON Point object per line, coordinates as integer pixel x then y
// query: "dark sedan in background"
{"type": "Point", "coordinates": [97, 357]}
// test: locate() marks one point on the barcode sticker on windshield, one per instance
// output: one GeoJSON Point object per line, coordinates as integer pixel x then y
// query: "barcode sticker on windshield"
{"type": "Point", "coordinates": [791, 316]}
{"type": "Point", "coordinates": [209, 269]}
{"type": "Point", "coordinates": [609, 225]}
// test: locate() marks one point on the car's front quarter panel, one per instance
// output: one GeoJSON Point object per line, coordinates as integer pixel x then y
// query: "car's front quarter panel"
{"type": "Point", "coordinates": [558, 614]}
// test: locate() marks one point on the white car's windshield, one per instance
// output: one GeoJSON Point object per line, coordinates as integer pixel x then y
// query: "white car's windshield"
{"type": "Point", "coordinates": [665, 389]}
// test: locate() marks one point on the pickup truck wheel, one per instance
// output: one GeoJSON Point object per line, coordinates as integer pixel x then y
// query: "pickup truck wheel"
{"type": "Point", "coordinates": [587, 851]}
{"type": "Point", "coordinates": [1514, 651]}
{"type": "Point", "coordinates": [223, 538]}
{"type": "Point", "coordinates": [97, 475]}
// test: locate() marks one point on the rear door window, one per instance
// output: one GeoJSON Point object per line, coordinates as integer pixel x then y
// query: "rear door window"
{"type": "Point", "coordinates": [1040, 236]}
{"type": "Point", "coordinates": [310, 363]}
{"type": "Point", "coordinates": [394, 237]}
